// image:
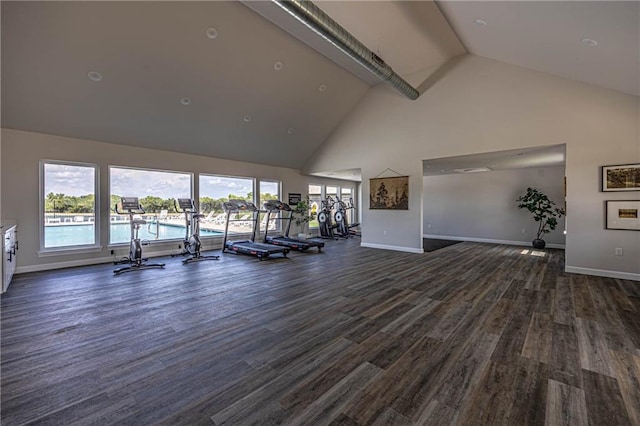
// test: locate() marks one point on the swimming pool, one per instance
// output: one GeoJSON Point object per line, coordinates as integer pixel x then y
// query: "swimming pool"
{"type": "Point", "coordinates": [75, 235]}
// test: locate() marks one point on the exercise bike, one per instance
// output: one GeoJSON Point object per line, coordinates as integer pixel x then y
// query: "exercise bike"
{"type": "Point", "coordinates": [324, 219]}
{"type": "Point", "coordinates": [135, 260]}
{"type": "Point", "coordinates": [192, 244]}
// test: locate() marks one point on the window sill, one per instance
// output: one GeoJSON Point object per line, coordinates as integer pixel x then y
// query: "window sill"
{"type": "Point", "coordinates": [63, 251]}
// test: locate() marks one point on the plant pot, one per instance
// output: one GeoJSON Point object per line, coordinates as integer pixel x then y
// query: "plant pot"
{"type": "Point", "coordinates": [538, 243]}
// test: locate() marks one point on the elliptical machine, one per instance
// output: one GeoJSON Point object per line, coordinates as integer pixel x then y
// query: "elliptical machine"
{"type": "Point", "coordinates": [342, 223]}
{"type": "Point", "coordinates": [192, 244]}
{"type": "Point", "coordinates": [136, 262]}
{"type": "Point", "coordinates": [324, 219]}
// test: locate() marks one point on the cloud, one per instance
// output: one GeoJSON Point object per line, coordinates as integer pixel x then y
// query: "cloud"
{"type": "Point", "coordinates": [79, 180]}
{"type": "Point", "coordinates": [69, 179]}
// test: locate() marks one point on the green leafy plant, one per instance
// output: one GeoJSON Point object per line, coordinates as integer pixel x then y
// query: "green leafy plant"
{"type": "Point", "coordinates": [542, 209]}
{"type": "Point", "coordinates": [303, 213]}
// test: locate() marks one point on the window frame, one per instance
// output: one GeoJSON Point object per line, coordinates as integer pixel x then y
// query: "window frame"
{"type": "Point", "coordinates": [80, 248]}
{"type": "Point", "coordinates": [322, 192]}
{"type": "Point", "coordinates": [279, 226]}
{"type": "Point", "coordinates": [147, 169]}
{"type": "Point", "coordinates": [254, 188]}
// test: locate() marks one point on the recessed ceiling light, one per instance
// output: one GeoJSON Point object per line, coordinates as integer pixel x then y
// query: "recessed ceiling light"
{"type": "Point", "coordinates": [481, 22]}
{"type": "Point", "coordinates": [442, 170]}
{"type": "Point", "coordinates": [212, 33]}
{"type": "Point", "coordinates": [94, 76]}
{"type": "Point", "coordinates": [322, 87]}
{"type": "Point", "coordinates": [185, 101]}
{"type": "Point", "coordinates": [589, 42]}
{"type": "Point", "coordinates": [246, 118]}
{"type": "Point", "coordinates": [277, 66]}
{"type": "Point", "coordinates": [290, 131]}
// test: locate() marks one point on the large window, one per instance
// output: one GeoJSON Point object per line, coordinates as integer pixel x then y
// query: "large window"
{"type": "Point", "coordinates": [156, 191]}
{"type": "Point", "coordinates": [215, 190]}
{"type": "Point", "coordinates": [68, 205]}
{"type": "Point", "coordinates": [269, 190]}
{"type": "Point", "coordinates": [315, 203]}
{"type": "Point", "coordinates": [346, 195]}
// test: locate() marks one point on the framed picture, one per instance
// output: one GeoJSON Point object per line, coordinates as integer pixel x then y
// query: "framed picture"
{"type": "Point", "coordinates": [389, 193]}
{"type": "Point", "coordinates": [623, 214]}
{"type": "Point", "coordinates": [625, 177]}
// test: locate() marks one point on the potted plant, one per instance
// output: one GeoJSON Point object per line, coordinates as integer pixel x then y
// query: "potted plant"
{"type": "Point", "coordinates": [543, 211]}
{"type": "Point", "coordinates": [303, 214]}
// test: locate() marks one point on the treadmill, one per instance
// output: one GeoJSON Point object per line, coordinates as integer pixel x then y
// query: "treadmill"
{"type": "Point", "coordinates": [250, 247]}
{"type": "Point", "coordinates": [284, 240]}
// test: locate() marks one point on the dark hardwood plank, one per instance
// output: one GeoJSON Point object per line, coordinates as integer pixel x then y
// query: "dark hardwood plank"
{"type": "Point", "coordinates": [594, 353]}
{"type": "Point", "coordinates": [475, 334]}
{"type": "Point", "coordinates": [565, 405]}
{"type": "Point", "coordinates": [604, 400]}
{"type": "Point", "coordinates": [627, 369]}
{"type": "Point", "coordinates": [564, 362]}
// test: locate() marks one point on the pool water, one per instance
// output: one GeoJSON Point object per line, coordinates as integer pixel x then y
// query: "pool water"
{"type": "Point", "coordinates": [75, 235]}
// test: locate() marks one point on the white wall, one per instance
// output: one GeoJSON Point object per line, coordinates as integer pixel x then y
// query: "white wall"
{"type": "Point", "coordinates": [482, 105]}
{"type": "Point", "coordinates": [22, 152]}
{"type": "Point", "coordinates": [483, 206]}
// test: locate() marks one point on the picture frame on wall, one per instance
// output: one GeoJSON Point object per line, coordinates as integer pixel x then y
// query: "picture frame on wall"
{"type": "Point", "coordinates": [389, 193]}
{"type": "Point", "coordinates": [623, 215]}
{"type": "Point", "coordinates": [623, 177]}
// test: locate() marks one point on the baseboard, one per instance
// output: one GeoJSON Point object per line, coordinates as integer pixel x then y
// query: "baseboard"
{"type": "Point", "coordinates": [602, 273]}
{"type": "Point", "coordinates": [93, 261]}
{"type": "Point", "coordinates": [394, 248]}
{"type": "Point", "coordinates": [60, 265]}
{"type": "Point", "coordinates": [491, 241]}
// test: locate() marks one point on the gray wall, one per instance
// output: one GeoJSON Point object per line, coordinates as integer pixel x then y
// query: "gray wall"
{"type": "Point", "coordinates": [482, 105]}
{"type": "Point", "coordinates": [482, 205]}
{"type": "Point", "coordinates": [22, 152]}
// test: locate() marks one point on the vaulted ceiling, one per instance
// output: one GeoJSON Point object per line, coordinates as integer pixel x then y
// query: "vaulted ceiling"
{"type": "Point", "coordinates": [218, 79]}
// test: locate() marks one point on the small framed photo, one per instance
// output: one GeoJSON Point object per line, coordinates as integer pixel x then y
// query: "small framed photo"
{"type": "Point", "coordinates": [624, 177]}
{"type": "Point", "coordinates": [623, 214]}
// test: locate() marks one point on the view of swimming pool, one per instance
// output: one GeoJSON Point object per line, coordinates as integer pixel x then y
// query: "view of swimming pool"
{"type": "Point", "coordinates": [74, 235]}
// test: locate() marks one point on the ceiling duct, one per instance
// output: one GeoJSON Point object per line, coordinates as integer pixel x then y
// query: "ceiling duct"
{"type": "Point", "coordinates": [318, 21]}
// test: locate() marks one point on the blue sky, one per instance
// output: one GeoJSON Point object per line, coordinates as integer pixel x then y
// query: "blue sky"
{"type": "Point", "coordinates": [79, 180]}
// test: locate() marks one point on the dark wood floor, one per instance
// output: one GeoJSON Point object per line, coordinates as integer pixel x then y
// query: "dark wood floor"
{"type": "Point", "coordinates": [472, 334]}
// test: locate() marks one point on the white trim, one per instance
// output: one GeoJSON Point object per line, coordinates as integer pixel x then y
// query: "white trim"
{"type": "Point", "coordinates": [42, 195]}
{"type": "Point", "coordinates": [69, 250]}
{"type": "Point", "coordinates": [85, 262]}
{"type": "Point", "coordinates": [60, 265]}
{"type": "Point", "coordinates": [487, 240]}
{"type": "Point", "coordinates": [602, 273]}
{"type": "Point", "coordinates": [394, 248]}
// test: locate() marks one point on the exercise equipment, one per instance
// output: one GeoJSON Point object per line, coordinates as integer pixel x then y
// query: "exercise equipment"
{"type": "Point", "coordinates": [324, 219]}
{"type": "Point", "coordinates": [136, 262]}
{"type": "Point", "coordinates": [342, 222]}
{"type": "Point", "coordinates": [250, 247]}
{"type": "Point", "coordinates": [192, 244]}
{"type": "Point", "coordinates": [272, 206]}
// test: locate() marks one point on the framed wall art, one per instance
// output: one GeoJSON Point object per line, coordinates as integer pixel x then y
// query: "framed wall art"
{"type": "Point", "coordinates": [623, 214]}
{"type": "Point", "coordinates": [389, 193]}
{"type": "Point", "coordinates": [624, 177]}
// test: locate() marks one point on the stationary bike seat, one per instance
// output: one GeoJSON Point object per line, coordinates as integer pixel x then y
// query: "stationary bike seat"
{"type": "Point", "coordinates": [198, 216]}
{"type": "Point", "coordinates": [139, 222]}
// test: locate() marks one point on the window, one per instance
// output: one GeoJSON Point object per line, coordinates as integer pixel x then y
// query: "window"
{"type": "Point", "coordinates": [346, 195]}
{"type": "Point", "coordinates": [215, 190]}
{"type": "Point", "coordinates": [269, 190]}
{"type": "Point", "coordinates": [332, 191]}
{"type": "Point", "coordinates": [156, 191]}
{"type": "Point", "coordinates": [68, 205]}
{"type": "Point", "coordinates": [315, 203]}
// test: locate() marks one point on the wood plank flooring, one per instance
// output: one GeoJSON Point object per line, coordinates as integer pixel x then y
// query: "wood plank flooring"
{"type": "Point", "coordinates": [472, 334]}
